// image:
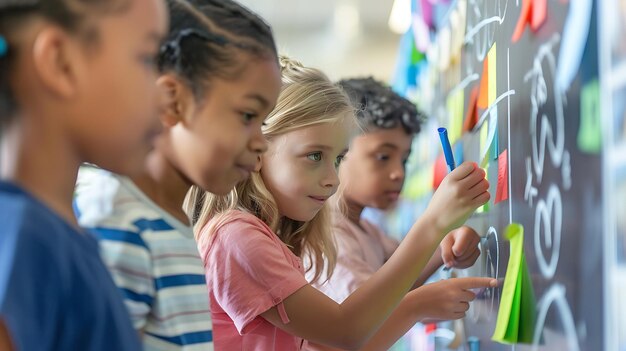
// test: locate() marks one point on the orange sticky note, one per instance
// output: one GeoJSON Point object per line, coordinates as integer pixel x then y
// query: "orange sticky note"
{"type": "Point", "coordinates": [471, 117]}
{"type": "Point", "coordinates": [502, 190]}
{"type": "Point", "coordinates": [440, 170]}
{"type": "Point", "coordinates": [483, 94]}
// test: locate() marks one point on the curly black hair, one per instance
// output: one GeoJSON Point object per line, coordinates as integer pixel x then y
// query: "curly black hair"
{"type": "Point", "coordinates": [380, 107]}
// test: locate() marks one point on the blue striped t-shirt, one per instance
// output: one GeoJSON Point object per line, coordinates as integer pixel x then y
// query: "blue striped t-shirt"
{"type": "Point", "coordinates": [153, 259]}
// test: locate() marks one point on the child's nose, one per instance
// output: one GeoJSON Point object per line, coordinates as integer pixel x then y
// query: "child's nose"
{"type": "Point", "coordinates": [331, 178]}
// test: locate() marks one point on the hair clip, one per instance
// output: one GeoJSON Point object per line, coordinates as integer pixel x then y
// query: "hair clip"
{"type": "Point", "coordinates": [4, 46]}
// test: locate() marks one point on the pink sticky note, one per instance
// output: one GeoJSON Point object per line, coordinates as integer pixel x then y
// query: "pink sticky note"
{"type": "Point", "coordinates": [502, 190]}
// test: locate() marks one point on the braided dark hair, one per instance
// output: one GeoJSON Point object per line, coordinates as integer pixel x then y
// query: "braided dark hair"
{"type": "Point", "coordinates": [206, 35]}
{"type": "Point", "coordinates": [380, 107]}
{"type": "Point", "coordinates": [68, 14]}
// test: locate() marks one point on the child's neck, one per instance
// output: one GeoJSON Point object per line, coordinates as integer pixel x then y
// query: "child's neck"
{"type": "Point", "coordinates": [164, 185]}
{"type": "Point", "coordinates": [36, 156]}
{"type": "Point", "coordinates": [354, 212]}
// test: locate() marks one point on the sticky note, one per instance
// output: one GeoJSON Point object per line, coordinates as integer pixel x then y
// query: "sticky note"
{"type": "Point", "coordinates": [485, 208]}
{"type": "Point", "coordinates": [516, 315]}
{"type": "Point", "coordinates": [534, 13]}
{"type": "Point", "coordinates": [502, 189]}
{"type": "Point", "coordinates": [575, 33]}
{"type": "Point", "coordinates": [495, 146]}
{"type": "Point", "coordinates": [440, 169]}
{"type": "Point", "coordinates": [471, 116]}
{"type": "Point", "coordinates": [444, 48]}
{"type": "Point", "coordinates": [455, 112]}
{"type": "Point", "coordinates": [483, 93]}
{"type": "Point", "coordinates": [487, 93]}
{"type": "Point", "coordinates": [458, 152]}
{"type": "Point", "coordinates": [590, 128]}
{"type": "Point", "coordinates": [484, 142]}
{"type": "Point", "coordinates": [492, 67]}
{"type": "Point", "coordinates": [419, 184]}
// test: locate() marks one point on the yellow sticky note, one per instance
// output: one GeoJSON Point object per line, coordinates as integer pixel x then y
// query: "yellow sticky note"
{"type": "Point", "coordinates": [492, 67]}
{"type": "Point", "coordinates": [455, 105]}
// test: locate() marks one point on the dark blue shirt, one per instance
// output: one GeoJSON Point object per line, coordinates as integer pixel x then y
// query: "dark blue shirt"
{"type": "Point", "coordinates": [55, 292]}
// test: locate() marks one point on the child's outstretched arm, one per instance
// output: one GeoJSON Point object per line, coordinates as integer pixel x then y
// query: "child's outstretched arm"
{"type": "Point", "coordinates": [443, 300]}
{"type": "Point", "coordinates": [459, 249]}
{"type": "Point", "coordinates": [316, 317]}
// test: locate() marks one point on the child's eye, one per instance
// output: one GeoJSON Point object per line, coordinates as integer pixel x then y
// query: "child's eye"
{"type": "Point", "coordinates": [382, 157]}
{"type": "Point", "coordinates": [315, 156]}
{"type": "Point", "coordinates": [248, 116]}
{"type": "Point", "coordinates": [149, 60]}
{"type": "Point", "coordinates": [338, 160]}
{"type": "Point", "coordinates": [404, 161]}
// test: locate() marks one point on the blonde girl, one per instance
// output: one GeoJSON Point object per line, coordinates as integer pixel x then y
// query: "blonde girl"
{"type": "Point", "coordinates": [253, 240]}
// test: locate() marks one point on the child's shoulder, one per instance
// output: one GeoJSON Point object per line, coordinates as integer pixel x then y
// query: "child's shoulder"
{"type": "Point", "coordinates": [33, 234]}
{"type": "Point", "coordinates": [103, 199]}
{"type": "Point", "coordinates": [22, 215]}
{"type": "Point", "coordinates": [235, 223]}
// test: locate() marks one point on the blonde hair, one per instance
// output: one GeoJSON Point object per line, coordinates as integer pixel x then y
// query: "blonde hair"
{"type": "Point", "coordinates": [307, 98]}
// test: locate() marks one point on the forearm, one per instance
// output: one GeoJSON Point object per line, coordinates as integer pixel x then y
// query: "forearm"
{"type": "Point", "coordinates": [401, 320]}
{"type": "Point", "coordinates": [390, 283]}
{"type": "Point", "coordinates": [431, 267]}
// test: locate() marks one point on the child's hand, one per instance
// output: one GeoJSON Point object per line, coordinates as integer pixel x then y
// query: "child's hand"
{"type": "Point", "coordinates": [459, 195]}
{"type": "Point", "coordinates": [447, 299]}
{"type": "Point", "coordinates": [459, 249]}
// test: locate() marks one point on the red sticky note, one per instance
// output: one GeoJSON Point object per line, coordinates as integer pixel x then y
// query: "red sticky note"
{"type": "Point", "coordinates": [483, 94]}
{"type": "Point", "coordinates": [534, 13]}
{"type": "Point", "coordinates": [502, 190]}
{"type": "Point", "coordinates": [540, 12]}
{"type": "Point", "coordinates": [524, 18]}
{"type": "Point", "coordinates": [471, 117]}
{"type": "Point", "coordinates": [439, 171]}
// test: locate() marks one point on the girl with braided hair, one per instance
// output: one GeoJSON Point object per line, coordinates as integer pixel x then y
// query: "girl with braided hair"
{"type": "Point", "coordinates": [76, 85]}
{"type": "Point", "coordinates": [220, 74]}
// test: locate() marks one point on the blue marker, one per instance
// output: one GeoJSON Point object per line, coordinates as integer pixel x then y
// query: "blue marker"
{"type": "Point", "coordinates": [447, 150]}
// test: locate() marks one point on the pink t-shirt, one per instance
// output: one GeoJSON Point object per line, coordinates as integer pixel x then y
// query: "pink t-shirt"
{"type": "Point", "coordinates": [361, 251]}
{"type": "Point", "coordinates": [248, 271]}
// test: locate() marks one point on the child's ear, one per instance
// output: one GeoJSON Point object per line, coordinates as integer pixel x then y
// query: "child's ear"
{"type": "Point", "coordinates": [55, 60]}
{"type": "Point", "coordinates": [178, 100]}
{"type": "Point", "coordinates": [259, 163]}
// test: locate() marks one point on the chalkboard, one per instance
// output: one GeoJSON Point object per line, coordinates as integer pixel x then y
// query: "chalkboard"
{"type": "Point", "coordinates": [549, 128]}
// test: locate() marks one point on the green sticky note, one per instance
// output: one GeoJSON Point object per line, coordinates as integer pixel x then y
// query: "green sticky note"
{"type": "Point", "coordinates": [484, 139]}
{"type": "Point", "coordinates": [517, 312]}
{"type": "Point", "coordinates": [528, 308]}
{"type": "Point", "coordinates": [485, 208]}
{"type": "Point", "coordinates": [590, 129]}
{"type": "Point", "coordinates": [418, 185]}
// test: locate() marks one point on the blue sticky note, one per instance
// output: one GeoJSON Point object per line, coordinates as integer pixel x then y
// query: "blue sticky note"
{"type": "Point", "coordinates": [458, 152]}
{"type": "Point", "coordinates": [575, 34]}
